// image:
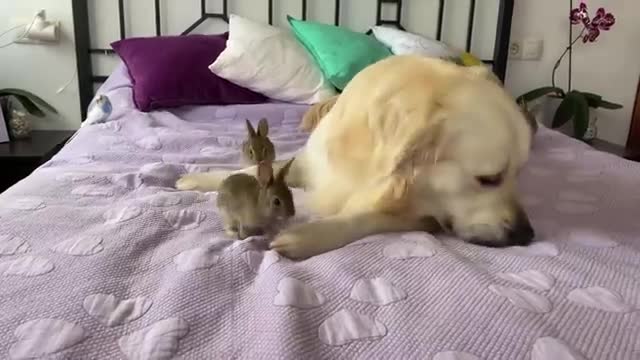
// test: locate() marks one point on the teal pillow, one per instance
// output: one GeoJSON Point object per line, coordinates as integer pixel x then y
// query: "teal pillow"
{"type": "Point", "coordinates": [340, 53]}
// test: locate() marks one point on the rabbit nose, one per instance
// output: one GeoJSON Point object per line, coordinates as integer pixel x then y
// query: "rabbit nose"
{"type": "Point", "coordinates": [247, 231]}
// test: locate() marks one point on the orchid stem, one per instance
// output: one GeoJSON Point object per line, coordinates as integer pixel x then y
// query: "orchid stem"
{"type": "Point", "coordinates": [559, 61]}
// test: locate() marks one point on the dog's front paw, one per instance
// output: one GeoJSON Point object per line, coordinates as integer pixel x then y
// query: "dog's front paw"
{"type": "Point", "coordinates": [298, 242]}
{"type": "Point", "coordinates": [186, 182]}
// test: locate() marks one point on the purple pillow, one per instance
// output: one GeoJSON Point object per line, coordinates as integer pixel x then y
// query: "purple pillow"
{"type": "Point", "coordinates": [172, 71]}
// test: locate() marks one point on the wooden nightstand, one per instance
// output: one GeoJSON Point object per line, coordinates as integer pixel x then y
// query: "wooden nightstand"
{"type": "Point", "coordinates": [20, 157]}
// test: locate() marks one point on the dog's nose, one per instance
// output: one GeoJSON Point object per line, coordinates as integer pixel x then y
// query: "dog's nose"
{"type": "Point", "coordinates": [522, 233]}
{"type": "Point", "coordinates": [246, 231]}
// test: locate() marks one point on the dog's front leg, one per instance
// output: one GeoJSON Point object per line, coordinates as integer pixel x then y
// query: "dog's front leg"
{"type": "Point", "coordinates": [305, 240]}
{"type": "Point", "coordinates": [211, 181]}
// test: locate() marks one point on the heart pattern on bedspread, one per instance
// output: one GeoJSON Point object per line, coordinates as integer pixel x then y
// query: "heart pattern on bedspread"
{"type": "Point", "coordinates": [11, 245]}
{"type": "Point", "coordinates": [196, 259]}
{"type": "Point", "coordinates": [414, 245]}
{"type": "Point", "coordinates": [82, 245]}
{"type": "Point", "coordinates": [296, 293]}
{"type": "Point", "coordinates": [119, 215]}
{"type": "Point", "coordinates": [523, 299]}
{"type": "Point", "coordinates": [184, 219]}
{"type": "Point", "coordinates": [111, 311]}
{"type": "Point", "coordinates": [26, 266]}
{"type": "Point", "coordinates": [535, 279]}
{"type": "Point", "coordinates": [159, 341]}
{"type": "Point", "coordinates": [597, 297]}
{"type": "Point", "coordinates": [101, 257]}
{"type": "Point", "coordinates": [41, 337]}
{"type": "Point", "coordinates": [347, 326]}
{"type": "Point", "coordinates": [260, 261]}
{"type": "Point", "coordinates": [377, 291]}
{"type": "Point", "coordinates": [546, 348]}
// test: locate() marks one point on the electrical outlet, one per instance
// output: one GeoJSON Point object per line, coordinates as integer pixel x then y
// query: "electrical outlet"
{"type": "Point", "coordinates": [39, 29]}
{"type": "Point", "coordinates": [526, 49]}
{"type": "Point", "coordinates": [515, 49]}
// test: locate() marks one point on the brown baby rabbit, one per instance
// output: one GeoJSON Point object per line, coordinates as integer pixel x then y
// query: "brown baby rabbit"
{"type": "Point", "coordinates": [250, 205]}
{"type": "Point", "coordinates": [258, 147]}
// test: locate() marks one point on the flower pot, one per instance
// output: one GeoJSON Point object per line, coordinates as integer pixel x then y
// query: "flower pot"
{"type": "Point", "coordinates": [549, 109]}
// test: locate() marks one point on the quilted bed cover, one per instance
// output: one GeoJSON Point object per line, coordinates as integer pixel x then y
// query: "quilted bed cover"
{"type": "Point", "coordinates": [100, 258]}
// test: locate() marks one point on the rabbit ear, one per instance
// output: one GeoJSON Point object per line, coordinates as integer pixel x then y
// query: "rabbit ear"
{"type": "Point", "coordinates": [282, 173]}
{"type": "Point", "coordinates": [263, 127]}
{"type": "Point", "coordinates": [265, 173]}
{"type": "Point", "coordinates": [250, 129]}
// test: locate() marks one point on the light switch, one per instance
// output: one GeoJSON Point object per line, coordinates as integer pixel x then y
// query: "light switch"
{"type": "Point", "coordinates": [532, 49]}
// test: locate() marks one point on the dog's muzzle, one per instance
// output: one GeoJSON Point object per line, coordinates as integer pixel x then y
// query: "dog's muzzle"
{"type": "Point", "coordinates": [521, 233]}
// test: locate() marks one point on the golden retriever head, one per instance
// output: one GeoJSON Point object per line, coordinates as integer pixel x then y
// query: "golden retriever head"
{"type": "Point", "coordinates": [473, 150]}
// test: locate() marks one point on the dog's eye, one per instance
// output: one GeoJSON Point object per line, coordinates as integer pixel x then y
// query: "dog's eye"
{"type": "Point", "coordinates": [490, 180]}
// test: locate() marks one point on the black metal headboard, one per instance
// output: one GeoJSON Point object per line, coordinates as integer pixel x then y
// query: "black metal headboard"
{"type": "Point", "coordinates": [87, 79]}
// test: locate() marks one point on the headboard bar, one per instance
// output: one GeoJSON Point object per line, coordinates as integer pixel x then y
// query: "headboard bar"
{"type": "Point", "coordinates": [86, 78]}
{"type": "Point", "coordinates": [440, 20]}
{"type": "Point", "coordinates": [395, 22]}
{"type": "Point", "coordinates": [503, 36]}
{"type": "Point", "coordinates": [472, 13]}
{"type": "Point", "coordinates": [156, 10]}
{"type": "Point", "coordinates": [123, 32]}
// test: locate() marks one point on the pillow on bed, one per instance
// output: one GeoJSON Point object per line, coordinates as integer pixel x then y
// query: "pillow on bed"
{"type": "Point", "coordinates": [340, 53]}
{"type": "Point", "coordinates": [172, 71]}
{"type": "Point", "coordinates": [405, 43]}
{"type": "Point", "coordinates": [270, 61]}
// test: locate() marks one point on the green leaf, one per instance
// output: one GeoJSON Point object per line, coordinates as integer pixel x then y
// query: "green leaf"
{"type": "Point", "coordinates": [29, 105]}
{"type": "Point", "coordinates": [609, 105]}
{"type": "Point", "coordinates": [565, 111]}
{"type": "Point", "coordinates": [540, 92]}
{"type": "Point", "coordinates": [594, 100]}
{"type": "Point", "coordinates": [34, 99]}
{"type": "Point", "coordinates": [581, 115]}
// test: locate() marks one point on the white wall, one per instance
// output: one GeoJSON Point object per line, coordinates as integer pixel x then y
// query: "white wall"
{"type": "Point", "coordinates": [609, 67]}
{"type": "Point", "coordinates": [42, 69]}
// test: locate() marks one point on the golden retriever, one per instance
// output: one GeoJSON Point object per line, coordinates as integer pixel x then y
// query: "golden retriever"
{"type": "Point", "coordinates": [411, 144]}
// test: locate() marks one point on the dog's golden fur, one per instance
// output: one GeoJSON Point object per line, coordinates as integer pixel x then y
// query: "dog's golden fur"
{"type": "Point", "coordinates": [410, 139]}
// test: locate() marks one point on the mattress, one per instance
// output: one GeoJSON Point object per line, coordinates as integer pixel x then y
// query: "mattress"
{"type": "Point", "coordinates": [101, 258]}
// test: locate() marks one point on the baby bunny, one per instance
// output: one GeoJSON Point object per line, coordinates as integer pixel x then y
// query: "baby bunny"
{"type": "Point", "coordinates": [258, 147]}
{"type": "Point", "coordinates": [249, 205]}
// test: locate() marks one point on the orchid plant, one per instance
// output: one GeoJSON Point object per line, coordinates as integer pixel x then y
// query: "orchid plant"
{"type": "Point", "coordinates": [575, 104]}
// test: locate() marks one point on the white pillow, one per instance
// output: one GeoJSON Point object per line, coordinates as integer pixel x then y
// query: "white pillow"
{"type": "Point", "coordinates": [405, 43]}
{"type": "Point", "coordinates": [270, 61]}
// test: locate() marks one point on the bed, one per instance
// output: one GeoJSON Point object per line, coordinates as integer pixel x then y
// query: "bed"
{"type": "Point", "coordinates": [101, 258]}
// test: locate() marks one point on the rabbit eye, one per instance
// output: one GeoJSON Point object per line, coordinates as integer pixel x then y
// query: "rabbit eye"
{"type": "Point", "coordinates": [251, 153]}
{"type": "Point", "coordinates": [276, 202]}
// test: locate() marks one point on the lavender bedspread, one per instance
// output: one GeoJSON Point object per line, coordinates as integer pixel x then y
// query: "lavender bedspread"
{"type": "Point", "coordinates": [101, 259]}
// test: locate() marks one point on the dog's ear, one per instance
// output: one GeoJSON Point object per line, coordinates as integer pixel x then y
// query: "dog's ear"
{"type": "Point", "coordinates": [422, 150]}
